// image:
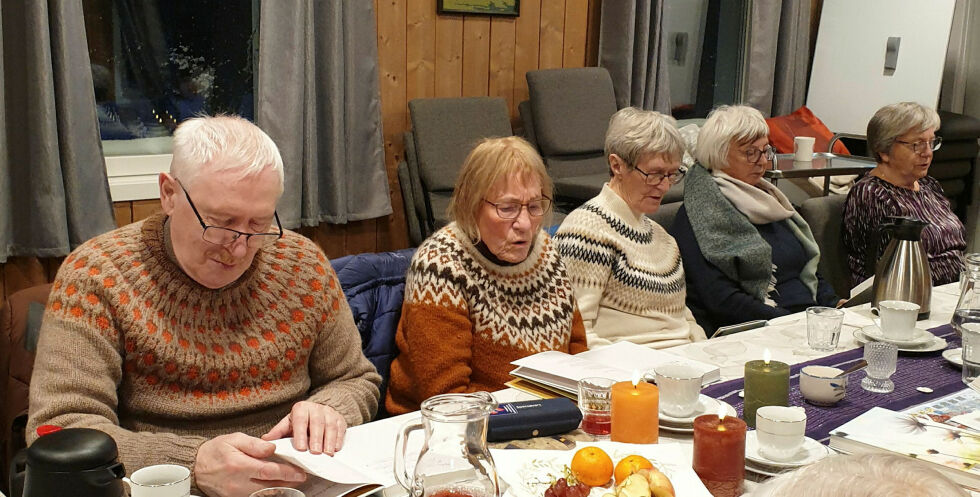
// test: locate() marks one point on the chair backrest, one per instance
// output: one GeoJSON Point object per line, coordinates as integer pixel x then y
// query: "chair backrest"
{"type": "Point", "coordinates": [374, 285]}
{"type": "Point", "coordinates": [20, 322]}
{"type": "Point", "coordinates": [446, 129]}
{"type": "Point", "coordinates": [825, 217]}
{"type": "Point", "coordinates": [570, 109]}
{"type": "Point", "coordinates": [412, 221]}
{"type": "Point", "coordinates": [666, 213]}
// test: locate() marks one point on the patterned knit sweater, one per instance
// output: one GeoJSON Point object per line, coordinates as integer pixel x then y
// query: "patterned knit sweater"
{"type": "Point", "coordinates": [466, 318]}
{"type": "Point", "coordinates": [627, 274]}
{"type": "Point", "coordinates": [132, 346]}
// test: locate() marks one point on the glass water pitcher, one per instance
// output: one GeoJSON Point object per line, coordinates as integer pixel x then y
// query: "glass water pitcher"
{"type": "Point", "coordinates": [966, 317]}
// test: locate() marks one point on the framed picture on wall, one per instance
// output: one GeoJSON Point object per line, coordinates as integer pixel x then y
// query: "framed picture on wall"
{"type": "Point", "coordinates": [480, 7]}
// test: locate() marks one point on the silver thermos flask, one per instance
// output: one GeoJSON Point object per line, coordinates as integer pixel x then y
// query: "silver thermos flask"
{"type": "Point", "coordinates": [902, 272]}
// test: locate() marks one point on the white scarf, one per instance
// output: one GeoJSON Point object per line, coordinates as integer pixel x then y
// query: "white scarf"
{"type": "Point", "coordinates": [762, 204]}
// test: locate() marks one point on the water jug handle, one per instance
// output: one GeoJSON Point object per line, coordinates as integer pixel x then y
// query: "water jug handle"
{"type": "Point", "coordinates": [400, 468]}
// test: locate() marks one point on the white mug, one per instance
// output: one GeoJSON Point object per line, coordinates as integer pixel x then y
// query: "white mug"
{"type": "Point", "coordinates": [898, 318]}
{"type": "Point", "coordinates": [781, 431]}
{"type": "Point", "coordinates": [162, 480]}
{"type": "Point", "coordinates": [803, 148]}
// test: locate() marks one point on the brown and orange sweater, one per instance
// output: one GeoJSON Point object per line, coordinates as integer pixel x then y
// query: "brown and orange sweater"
{"type": "Point", "coordinates": [465, 318]}
{"type": "Point", "coordinates": [132, 346]}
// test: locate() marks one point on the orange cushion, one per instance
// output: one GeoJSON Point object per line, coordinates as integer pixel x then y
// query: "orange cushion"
{"type": "Point", "coordinates": [801, 122]}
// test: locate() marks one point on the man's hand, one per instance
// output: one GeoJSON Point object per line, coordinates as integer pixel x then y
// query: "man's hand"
{"type": "Point", "coordinates": [232, 465]}
{"type": "Point", "coordinates": [314, 427]}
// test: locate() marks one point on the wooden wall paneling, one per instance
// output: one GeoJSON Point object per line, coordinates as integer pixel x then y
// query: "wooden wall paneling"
{"type": "Point", "coordinates": [502, 46]}
{"type": "Point", "coordinates": [575, 33]}
{"type": "Point", "coordinates": [449, 56]}
{"type": "Point", "coordinates": [22, 272]}
{"type": "Point", "coordinates": [52, 265]}
{"type": "Point", "coordinates": [420, 50]}
{"type": "Point", "coordinates": [527, 34]}
{"type": "Point", "coordinates": [476, 56]}
{"type": "Point", "coordinates": [143, 209]}
{"type": "Point", "coordinates": [123, 212]}
{"type": "Point", "coordinates": [391, 231]}
{"type": "Point", "coordinates": [3, 286]}
{"type": "Point", "coordinates": [331, 238]}
{"type": "Point", "coordinates": [551, 50]}
{"type": "Point", "coordinates": [592, 36]}
{"type": "Point", "coordinates": [361, 237]}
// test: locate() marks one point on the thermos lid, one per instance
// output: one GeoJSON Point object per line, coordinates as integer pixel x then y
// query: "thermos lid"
{"type": "Point", "coordinates": [72, 449]}
{"type": "Point", "coordinates": [905, 228]}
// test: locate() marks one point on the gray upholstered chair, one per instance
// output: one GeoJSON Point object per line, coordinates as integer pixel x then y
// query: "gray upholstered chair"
{"type": "Point", "coordinates": [825, 216]}
{"type": "Point", "coordinates": [955, 163]}
{"type": "Point", "coordinates": [444, 130]}
{"type": "Point", "coordinates": [666, 213]}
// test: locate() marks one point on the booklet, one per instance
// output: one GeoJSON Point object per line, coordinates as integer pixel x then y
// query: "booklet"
{"type": "Point", "coordinates": [562, 371]}
{"type": "Point", "coordinates": [950, 450]}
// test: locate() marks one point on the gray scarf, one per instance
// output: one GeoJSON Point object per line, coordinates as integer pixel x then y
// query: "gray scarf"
{"type": "Point", "coordinates": [727, 234]}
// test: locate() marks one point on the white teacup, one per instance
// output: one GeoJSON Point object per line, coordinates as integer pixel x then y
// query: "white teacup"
{"type": "Point", "coordinates": [680, 389]}
{"type": "Point", "coordinates": [781, 431]}
{"type": "Point", "coordinates": [898, 318]}
{"type": "Point", "coordinates": [162, 480]}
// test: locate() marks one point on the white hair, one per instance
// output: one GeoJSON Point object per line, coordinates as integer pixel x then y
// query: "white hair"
{"type": "Point", "coordinates": [221, 143]}
{"type": "Point", "coordinates": [893, 121]}
{"type": "Point", "coordinates": [740, 124]}
{"type": "Point", "coordinates": [866, 475]}
{"type": "Point", "coordinates": [635, 134]}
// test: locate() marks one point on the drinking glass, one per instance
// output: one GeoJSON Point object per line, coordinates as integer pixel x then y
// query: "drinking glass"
{"type": "Point", "coordinates": [278, 492]}
{"type": "Point", "coordinates": [882, 358]}
{"type": "Point", "coordinates": [823, 328]}
{"type": "Point", "coordinates": [595, 401]}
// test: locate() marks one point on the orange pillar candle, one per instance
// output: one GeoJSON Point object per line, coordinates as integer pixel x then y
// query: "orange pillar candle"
{"type": "Point", "coordinates": [719, 454]}
{"type": "Point", "coordinates": [635, 413]}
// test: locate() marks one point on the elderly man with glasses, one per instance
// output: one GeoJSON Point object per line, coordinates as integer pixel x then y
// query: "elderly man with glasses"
{"type": "Point", "coordinates": [626, 269]}
{"type": "Point", "coordinates": [199, 334]}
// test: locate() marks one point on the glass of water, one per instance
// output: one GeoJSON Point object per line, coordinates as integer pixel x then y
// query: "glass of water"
{"type": "Point", "coordinates": [823, 328]}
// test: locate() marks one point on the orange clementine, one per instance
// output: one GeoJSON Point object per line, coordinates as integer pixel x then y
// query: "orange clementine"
{"type": "Point", "coordinates": [592, 466]}
{"type": "Point", "coordinates": [629, 465]}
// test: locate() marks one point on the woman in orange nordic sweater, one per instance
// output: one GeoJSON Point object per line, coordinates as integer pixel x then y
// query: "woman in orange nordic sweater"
{"type": "Point", "coordinates": [488, 288]}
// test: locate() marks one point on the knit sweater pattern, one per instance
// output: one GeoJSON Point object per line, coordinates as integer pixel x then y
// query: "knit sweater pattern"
{"type": "Point", "coordinates": [134, 347]}
{"type": "Point", "coordinates": [465, 318]}
{"type": "Point", "coordinates": [627, 274]}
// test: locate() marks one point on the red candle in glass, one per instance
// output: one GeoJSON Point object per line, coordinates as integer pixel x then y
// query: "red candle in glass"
{"type": "Point", "coordinates": [719, 454]}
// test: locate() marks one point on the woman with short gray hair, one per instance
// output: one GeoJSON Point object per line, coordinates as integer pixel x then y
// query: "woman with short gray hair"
{"type": "Point", "coordinates": [902, 138]}
{"type": "Point", "coordinates": [747, 253]}
{"type": "Point", "coordinates": [625, 268]}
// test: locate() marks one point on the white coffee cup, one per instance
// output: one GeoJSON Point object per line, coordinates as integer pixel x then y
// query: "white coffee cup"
{"type": "Point", "coordinates": [161, 480]}
{"type": "Point", "coordinates": [680, 389]}
{"type": "Point", "coordinates": [781, 431]}
{"type": "Point", "coordinates": [898, 318]}
{"type": "Point", "coordinates": [803, 148]}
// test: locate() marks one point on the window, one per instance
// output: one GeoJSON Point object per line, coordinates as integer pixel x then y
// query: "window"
{"type": "Point", "coordinates": [705, 43]}
{"type": "Point", "coordinates": [156, 63]}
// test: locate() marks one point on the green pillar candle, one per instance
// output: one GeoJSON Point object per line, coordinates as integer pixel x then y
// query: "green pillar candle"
{"type": "Point", "coordinates": [766, 384]}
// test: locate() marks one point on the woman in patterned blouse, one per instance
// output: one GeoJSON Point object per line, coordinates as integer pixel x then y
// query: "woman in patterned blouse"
{"type": "Point", "coordinates": [902, 137]}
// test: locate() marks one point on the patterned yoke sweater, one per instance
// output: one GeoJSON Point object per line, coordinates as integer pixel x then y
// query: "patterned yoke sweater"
{"type": "Point", "coordinates": [627, 274]}
{"type": "Point", "coordinates": [132, 346]}
{"type": "Point", "coordinates": [465, 318]}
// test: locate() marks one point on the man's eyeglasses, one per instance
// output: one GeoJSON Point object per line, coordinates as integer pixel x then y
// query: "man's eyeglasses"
{"type": "Point", "coordinates": [924, 146]}
{"type": "Point", "coordinates": [511, 210]}
{"type": "Point", "coordinates": [754, 154]}
{"type": "Point", "coordinates": [654, 179]}
{"type": "Point", "coordinates": [225, 236]}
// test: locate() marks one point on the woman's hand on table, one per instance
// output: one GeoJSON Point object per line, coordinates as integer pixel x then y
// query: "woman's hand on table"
{"type": "Point", "coordinates": [314, 427]}
{"type": "Point", "coordinates": [233, 465]}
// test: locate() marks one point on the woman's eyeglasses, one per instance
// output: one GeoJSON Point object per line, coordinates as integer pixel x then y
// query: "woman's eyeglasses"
{"type": "Point", "coordinates": [654, 179]}
{"type": "Point", "coordinates": [754, 154]}
{"type": "Point", "coordinates": [924, 146]}
{"type": "Point", "coordinates": [511, 210]}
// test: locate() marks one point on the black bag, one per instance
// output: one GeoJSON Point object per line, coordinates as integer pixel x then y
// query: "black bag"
{"type": "Point", "coordinates": [533, 418]}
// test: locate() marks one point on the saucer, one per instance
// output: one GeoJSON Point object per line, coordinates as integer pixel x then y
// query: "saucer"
{"type": "Point", "coordinates": [919, 337]}
{"type": "Point", "coordinates": [954, 356]}
{"type": "Point", "coordinates": [933, 345]}
{"type": "Point", "coordinates": [811, 452]}
{"type": "Point", "coordinates": [686, 425]}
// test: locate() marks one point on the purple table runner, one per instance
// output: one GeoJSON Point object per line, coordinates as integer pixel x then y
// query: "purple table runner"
{"type": "Point", "coordinates": [914, 370]}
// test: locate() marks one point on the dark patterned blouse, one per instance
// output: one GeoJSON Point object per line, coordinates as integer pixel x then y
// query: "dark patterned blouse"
{"type": "Point", "coordinates": [872, 199]}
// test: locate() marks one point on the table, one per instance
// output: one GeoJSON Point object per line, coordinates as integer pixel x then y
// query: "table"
{"type": "Point", "coordinates": [824, 165]}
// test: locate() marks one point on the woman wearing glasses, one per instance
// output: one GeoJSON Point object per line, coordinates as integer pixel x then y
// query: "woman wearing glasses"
{"type": "Point", "coordinates": [747, 253]}
{"type": "Point", "coordinates": [902, 138]}
{"type": "Point", "coordinates": [488, 288]}
{"type": "Point", "coordinates": [626, 269]}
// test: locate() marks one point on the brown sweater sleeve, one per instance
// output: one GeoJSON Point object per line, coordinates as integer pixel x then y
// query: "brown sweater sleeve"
{"type": "Point", "coordinates": [578, 341]}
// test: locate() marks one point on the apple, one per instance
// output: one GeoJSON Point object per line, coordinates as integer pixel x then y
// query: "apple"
{"type": "Point", "coordinates": [658, 482]}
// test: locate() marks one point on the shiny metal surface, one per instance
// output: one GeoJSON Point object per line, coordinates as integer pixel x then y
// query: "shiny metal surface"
{"type": "Point", "coordinates": [903, 274]}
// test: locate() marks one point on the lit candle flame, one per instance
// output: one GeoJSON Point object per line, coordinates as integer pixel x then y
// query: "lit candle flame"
{"type": "Point", "coordinates": [636, 377]}
{"type": "Point", "coordinates": [721, 413]}
{"type": "Point", "coordinates": [767, 356]}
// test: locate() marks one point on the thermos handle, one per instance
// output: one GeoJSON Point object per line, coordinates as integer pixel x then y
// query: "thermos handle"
{"type": "Point", "coordinates": [400, 468]}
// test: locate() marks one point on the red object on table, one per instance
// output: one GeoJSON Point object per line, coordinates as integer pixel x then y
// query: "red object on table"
{"type": "Point", "coordinates": [597, 424]}
{"type": "Point", "coordinates": [719, 454]}
{"type": "Point", "coordinates": [635, 413]}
